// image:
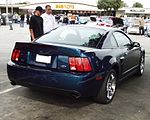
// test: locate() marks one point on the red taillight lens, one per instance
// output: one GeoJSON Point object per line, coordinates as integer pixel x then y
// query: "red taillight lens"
{"type": "Point", "coordinates": [72, 63]}
{"type": "Point", "coordinates": [15, 55]}
{"type": "Point", "coordinates": [108, 26]}
{"type": "Point", "coordinates": [79, 64]}
{"type": "Point", "coordinates": [102, 24]}
{"type": "Point", "coordinates": [86, 64]}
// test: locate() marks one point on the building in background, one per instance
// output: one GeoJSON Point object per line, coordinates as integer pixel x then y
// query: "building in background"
{"type": "Point", "coordinates": [66, 7]}
{"type": "Point", "coordinates": [83, 8]}
{"type": "Point", "coordinates": [11, 8]}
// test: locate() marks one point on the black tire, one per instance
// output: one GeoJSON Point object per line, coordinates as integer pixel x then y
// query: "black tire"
{"type": "Point", "coordinates": [102, 96]}
{"type": "Point", "coordinates": [141, 66]}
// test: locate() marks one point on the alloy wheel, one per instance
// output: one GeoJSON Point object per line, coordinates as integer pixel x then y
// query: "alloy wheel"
{"type": "Point", "coordinates": [142, 65]}
{"type": "Point", "coordinates": [111, 86]}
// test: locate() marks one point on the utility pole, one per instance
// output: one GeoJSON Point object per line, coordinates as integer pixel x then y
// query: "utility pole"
{"type": "Point", "coordinates": [6, 11]}
{"type": "Point", "coordinates": [12, 11]}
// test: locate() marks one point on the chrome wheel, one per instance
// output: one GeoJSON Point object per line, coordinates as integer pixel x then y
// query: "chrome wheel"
{"type": "Point", "coordinates": [108, 88]}
{"type": "Point", "coordinates": [111, 86]}
{"type": "Point", "coordinates": [142, 65]}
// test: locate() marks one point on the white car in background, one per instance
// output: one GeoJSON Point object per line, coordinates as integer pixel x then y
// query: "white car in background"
{"type": "Point", "coordinates": [147, 29]}
{"type": "Point", "coordinates": [133, 26]}
{"type": "Point", "coordinates": [134, 29]}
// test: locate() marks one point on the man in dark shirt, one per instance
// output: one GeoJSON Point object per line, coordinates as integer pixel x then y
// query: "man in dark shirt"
{"type": "Point", "coordinates": [36, 24]}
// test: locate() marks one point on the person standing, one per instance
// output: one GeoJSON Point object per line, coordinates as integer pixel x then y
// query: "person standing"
{"type": "Point", "coordinates": [10, 18]}
{"type": "Point", "coordinates": [36, 24]}
{"type": "Point", "coordinates": [141, 26]}
{"type": "Point", "coordinates": [48, 19]}
{"type": "Point", "coordinates": [65, 20]}
{"type": "Point", "coordinates": [28, 18]}
{"type": "Point", "coordinates": [22, 20]}
{"type": "Point", "coordinates": [72, 19]}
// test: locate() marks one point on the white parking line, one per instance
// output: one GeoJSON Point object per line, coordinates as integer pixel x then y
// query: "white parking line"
{"type": "Point", "coordinates": [3, 82]}
{"type": "Point", "coordinates": [3, 74]}
{"type": "Point", "coordinates": [10, 89]}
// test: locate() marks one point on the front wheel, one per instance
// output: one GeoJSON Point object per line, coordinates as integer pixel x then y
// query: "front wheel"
{"type": "Point", "coordinates": [108, 88]}
{"type": "Point", "coordinates": [141, 66]}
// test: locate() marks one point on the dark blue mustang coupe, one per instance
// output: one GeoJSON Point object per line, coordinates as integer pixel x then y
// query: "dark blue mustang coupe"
{"type": "Point", "coordinates": [85, 61]}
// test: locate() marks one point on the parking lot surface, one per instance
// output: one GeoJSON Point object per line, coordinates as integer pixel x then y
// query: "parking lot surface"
{"type": "Point", "coordinates": [131, 102]}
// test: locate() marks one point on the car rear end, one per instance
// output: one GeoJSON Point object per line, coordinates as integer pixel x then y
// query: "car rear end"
{"type": "Point", "coordinates": [67, 64]}
{"type": "Point", "coordinates": [133, 29]}
{"type": "Point", "coordinates": [53, 67]}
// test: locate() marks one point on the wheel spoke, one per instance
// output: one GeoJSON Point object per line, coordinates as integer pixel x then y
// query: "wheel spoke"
{"type": "Point", "coordinates": [111, 86]}
{"type": "Point", "coordinates": [142, 65]}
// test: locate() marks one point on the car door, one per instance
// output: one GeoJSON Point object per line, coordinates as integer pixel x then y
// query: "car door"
{"type": "Point", "coordinates": [130, 55]}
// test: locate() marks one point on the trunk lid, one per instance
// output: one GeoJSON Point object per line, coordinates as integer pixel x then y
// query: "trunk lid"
{"type": "Point", "coordinates": [49, 56]}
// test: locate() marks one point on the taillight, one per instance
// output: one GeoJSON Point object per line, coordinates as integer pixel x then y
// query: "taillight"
{"type": "Point", "coordinates": [107, 25]}
{"type": "Point", "coordinates": [15, 55]}
{"type": "Point", "coordinates": [80, 64]}
{"type": "Point", "coordinates": [102, 24]}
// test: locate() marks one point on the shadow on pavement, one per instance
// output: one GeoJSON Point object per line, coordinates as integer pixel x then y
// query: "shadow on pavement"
{"type": "Point", "coordinates": [51, 98]}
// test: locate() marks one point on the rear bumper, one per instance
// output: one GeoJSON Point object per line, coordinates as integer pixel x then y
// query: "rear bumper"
{"type": "Point", "coordinates": [83, 85]}
{"type": "Point", "coordinates": [133, 31]}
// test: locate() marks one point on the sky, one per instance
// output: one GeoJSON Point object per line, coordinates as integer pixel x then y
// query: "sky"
{"type": "Point", "coordinates": [146, 3]}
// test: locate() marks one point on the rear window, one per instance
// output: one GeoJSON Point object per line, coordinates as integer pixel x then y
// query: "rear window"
{"type": "Point", "coordinates": [72, 35]}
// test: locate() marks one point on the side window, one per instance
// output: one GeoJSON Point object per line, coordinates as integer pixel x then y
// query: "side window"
{"type": "Point", "coordinates": [121, 39]}
{"type": "Point", "coordinates": [110, 43]}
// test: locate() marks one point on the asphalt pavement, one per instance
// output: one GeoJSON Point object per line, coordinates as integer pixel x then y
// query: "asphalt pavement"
{"type": "Point", "coordinates": [132, 100]}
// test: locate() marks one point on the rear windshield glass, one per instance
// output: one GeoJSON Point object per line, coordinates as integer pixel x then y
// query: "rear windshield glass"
{"type": "Point", "coordinates": [81, 36]}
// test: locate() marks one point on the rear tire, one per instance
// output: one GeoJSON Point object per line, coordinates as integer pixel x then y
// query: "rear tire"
{"type": "Point", "coordinates": [108, 88]}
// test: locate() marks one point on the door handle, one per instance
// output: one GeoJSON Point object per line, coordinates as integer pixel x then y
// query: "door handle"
{"type": "Point", "coordinates": [126, 53]}
{"type": "Point", "coordinates": [122, 58]}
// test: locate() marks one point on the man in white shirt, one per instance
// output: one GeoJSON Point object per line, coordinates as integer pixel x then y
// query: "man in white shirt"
{"type": "Point", "coordinates": [48, 19]}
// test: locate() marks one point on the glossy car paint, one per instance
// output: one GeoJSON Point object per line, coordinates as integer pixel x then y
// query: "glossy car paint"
{"type": "Point", "coordinates": [57, 76]}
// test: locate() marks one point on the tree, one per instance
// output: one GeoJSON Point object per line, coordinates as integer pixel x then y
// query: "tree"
{"type": "Point", "coordinates": [125, 5]}
{"type": "Point", "coordinates": [104, 4]}
{"type": "Point", "coordinates": [108, 5]}
{"type": "Point", "coordinates": [117, 4]}
{"type": "Point", "coordinates": [137, 5]}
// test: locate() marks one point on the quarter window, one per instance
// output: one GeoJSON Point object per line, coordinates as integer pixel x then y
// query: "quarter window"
{"type": "Point", "coordinates": [121, 39]}
{"type": "Point", "coordinates": [110, 43]}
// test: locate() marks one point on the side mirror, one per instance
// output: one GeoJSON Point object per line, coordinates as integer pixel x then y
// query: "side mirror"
{"type": "Point", "coordinates": [136, 44]}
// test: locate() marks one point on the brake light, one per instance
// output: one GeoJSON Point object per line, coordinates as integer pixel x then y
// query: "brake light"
{"type": "Point", "coordinates": [102, 24]}
{"type": "Point", "coordinates": [80, 64]}
{"type": "Point", "coordinates": [15, 55]}
{"type": "Point", "coordinates": [107, 25]}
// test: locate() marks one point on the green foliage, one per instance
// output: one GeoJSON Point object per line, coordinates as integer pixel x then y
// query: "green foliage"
{"type": "Point", "coordinates": [110, 4]}
{"type": "Point", "coordinates": [125, 5]}
{"type": "Point", "coordinates": [104, 4]}
{"type": "Point", "coordinates": [137, 5]}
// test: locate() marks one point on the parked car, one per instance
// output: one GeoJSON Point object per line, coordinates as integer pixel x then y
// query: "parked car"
{"type": "Point", "coordinates": [105, 22]}
{"type": "Point", "coordinates": [133, 26]}
{"type": "Point", "coordinates": [115, 22]}
{"type": "Point", "coordinates": [85, 61]}
{"type": "Point", "coordinates": [147, 20]}
{"type": "Point", "coordinates": [134, 29]}
{"type": "Point", "coordinates": [83, 20]}
{"type": "Point", "coordinates": [147, 30]}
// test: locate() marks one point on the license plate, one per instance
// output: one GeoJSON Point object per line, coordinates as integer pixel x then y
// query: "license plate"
{"type": "Point", "coordinates": [43, 59]}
